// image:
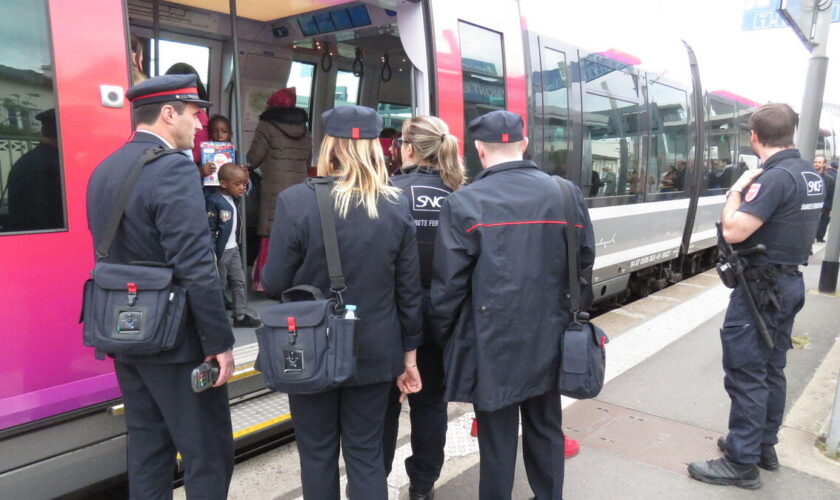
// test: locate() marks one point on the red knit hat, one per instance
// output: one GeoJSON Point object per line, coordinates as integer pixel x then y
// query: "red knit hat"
{"type": "Point", "coordinates": [283, 98]}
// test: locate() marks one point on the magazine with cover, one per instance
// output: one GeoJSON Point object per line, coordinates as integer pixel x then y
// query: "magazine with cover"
{"type": "Point", "coordinates": [217, 153]}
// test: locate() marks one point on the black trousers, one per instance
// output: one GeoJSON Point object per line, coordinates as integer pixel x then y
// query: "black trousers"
{"type": "Point", "coordinates": [428, 422]}
{"type": "Point", "coordinates": [163, 417]}
{"type": "Point", "coordinates": [542, 448]}
{"type": "Point", "coordinates": [754, 374]}
{"type": "Point", "coordinates": [822, 227]}
{"type": "Point", "coordinates": [353, 418]}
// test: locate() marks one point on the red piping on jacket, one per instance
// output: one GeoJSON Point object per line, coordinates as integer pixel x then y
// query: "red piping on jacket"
{"type": "Point", "coordinates": [522, 222]}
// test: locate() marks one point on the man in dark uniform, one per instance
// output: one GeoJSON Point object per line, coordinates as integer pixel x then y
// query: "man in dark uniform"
{"type": "Point", "coordinates": [165, 222]}
{"type": "Point", "coordinates": [829, 175]}
{"type": "Point", "coordinates": [500, 304]}
{"type": "Point", "coordinates": [35, 201]}
{"type": "Point", "coordinates": [777, 206]}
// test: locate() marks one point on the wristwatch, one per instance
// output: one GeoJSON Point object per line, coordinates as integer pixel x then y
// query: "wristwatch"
{"type": "Point", "coordinates": [733, 191]}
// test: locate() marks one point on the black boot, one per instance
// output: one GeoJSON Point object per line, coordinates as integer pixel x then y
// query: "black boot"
{"type": "Point", "coordinates": [416, 495]}
{"type": "Point", "coordinates": [726, 472]}
{"type": "Point", "coordinates": [768, 459]}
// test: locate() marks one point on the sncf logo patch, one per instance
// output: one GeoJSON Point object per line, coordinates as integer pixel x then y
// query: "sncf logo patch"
{"type": "Point", "coordinates": [753, 192]}
{"type": "Point", "coordinates": [813, 183]}
{"type": "Point", "coordinates": [225, 215]}
{"type": "Point", "coordinates": [427, 198]}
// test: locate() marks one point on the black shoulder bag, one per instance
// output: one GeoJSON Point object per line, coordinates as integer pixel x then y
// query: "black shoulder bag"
{"type": "Point", "coordinates": [307, 346]}
{"type": "Point", "coordinates": [583, 359]}
{"type": "Point", "coordinates": [135, 307]}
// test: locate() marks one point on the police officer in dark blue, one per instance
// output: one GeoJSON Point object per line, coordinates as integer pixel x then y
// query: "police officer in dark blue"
{"type": "Point", "coordinates": [432, 169]}
{"type": "Point", "coordinates": [499, 303]}
{"type": "Point", "coordinates": [377, 243]}
{"type": "Point", "coordinates": [165, 222]}
{"type": "Point", "coordinates": [777, 206]}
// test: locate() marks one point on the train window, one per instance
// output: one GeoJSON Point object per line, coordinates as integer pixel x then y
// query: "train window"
{"type": "Point", "coordinates": [723, 137]}
{"type": "Point", "coordinates": [482, 63]}
{"type": "Point", "coordinates": [346, 88]}
{"type": "Point", "coordinates": [302, 78]}
{"type": "Point", "coordinates": [554, 116]}
{"type": "Point", "coordinates": [608, 76]}
{"type": "Point", "coordinates": [393, 115]}
{"type": "Point", "coordinates": [611, 152]}
{"type": "Point", "coordinates": [31, 197]}
{"type": "Point", "coordinates": [172, 52]}
{"type": "Point", "coordinates": [669, 144]}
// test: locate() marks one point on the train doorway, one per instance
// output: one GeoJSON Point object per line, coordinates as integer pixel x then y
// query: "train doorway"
{"type": "Point", "coordinates": [333, 53]}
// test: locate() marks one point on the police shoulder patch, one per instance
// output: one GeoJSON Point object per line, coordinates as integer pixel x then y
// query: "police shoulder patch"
{"type": "Point", "coordinates": [755, 187]}
{"type": "Point", "coordinates": [225, 215]}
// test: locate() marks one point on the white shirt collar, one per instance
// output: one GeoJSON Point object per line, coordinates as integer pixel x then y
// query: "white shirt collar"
{"type": "Point", "coordinates": [164, 141]}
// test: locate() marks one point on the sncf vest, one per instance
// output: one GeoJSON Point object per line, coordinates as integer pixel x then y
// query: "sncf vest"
{"type": "Point", "coordinates": [791, 228]}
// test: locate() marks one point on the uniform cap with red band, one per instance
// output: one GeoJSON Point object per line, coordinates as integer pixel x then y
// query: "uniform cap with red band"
{"type": "Point", "coordinates": [166, 88]}
{"type": "Point", "coordinates": [497, 126]}
{"type": "Point", "coordinates": [352, 122]}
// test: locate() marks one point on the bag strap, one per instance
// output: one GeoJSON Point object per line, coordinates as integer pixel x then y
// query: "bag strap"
{"type": "Point", "coordinates": [571, 244]}
{"type": "Point", "coordinates": [323, 188]}
{"type": "Point", "coordinates": [149, 155]}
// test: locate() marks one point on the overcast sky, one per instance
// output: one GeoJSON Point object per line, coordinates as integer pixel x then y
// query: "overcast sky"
{"type": "Point", "coordinates": [763, 65]}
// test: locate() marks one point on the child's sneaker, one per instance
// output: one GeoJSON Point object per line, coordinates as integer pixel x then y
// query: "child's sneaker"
{"type": "Point", "coordinates": [246, 322]}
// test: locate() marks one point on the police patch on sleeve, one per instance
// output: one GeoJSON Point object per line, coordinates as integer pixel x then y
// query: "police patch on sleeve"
{"type": "Point", "coordinates": [225, 215]}
{"type": "Point", "coordinates": [755, 187]}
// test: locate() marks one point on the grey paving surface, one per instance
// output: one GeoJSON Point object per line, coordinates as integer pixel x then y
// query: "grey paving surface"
{"type": "Point", "coordinates": [596, 475]}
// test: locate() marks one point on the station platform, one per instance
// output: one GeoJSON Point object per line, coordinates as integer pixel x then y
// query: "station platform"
{"type": "Point", "coordinates": [663, 407]}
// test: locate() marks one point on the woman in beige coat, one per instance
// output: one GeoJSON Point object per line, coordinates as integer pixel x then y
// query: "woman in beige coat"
{"type": "Point", "coordinates": [282, 150]}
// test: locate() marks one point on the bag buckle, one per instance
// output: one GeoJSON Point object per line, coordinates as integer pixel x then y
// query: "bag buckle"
{"type": "Point", "coordinates": [292, 330]}
{"type": "Point", "coordinates": [579, 317]}
{"type": "Point", "coordinates": [132, 293]}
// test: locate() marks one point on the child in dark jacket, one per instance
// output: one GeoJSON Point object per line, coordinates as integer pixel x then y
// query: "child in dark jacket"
{"type": "Point", "coordinates": [225, 223]}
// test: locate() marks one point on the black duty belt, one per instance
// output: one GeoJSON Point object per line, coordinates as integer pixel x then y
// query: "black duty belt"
{"type": "Point", "coordinates": [762, 271]}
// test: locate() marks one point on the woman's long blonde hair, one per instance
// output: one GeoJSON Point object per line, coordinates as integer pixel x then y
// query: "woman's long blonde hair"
{"type": "Point", "coordinates": [435, 147]}
{"type": "Point", "coordinates": [362, 176]}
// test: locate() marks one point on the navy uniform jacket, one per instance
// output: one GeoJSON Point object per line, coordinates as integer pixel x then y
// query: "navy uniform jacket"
{"type": "Point", "coordinates": [164, 221]}
{"type": "Point", "coordinates": [500, 284]}
{"type": "Point", "coordinates": [788, 196]}
{"type": "Point", "coordinates": [220, 215]}
{"type": "Point", "coordinates": [425, 191]}
{"type": "Point", "coordinates": [380, 265]}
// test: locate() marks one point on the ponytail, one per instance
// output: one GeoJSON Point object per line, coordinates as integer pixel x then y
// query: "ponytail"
{"type": "Point", "coordinates": [436, 147]}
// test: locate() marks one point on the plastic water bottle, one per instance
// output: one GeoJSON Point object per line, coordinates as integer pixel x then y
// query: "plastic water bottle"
{"type": "Point", "coordinates": [351, 312]}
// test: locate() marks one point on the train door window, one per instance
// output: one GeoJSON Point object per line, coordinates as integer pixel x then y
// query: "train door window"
{"type": "Point", "coordinates": [482, 63]}
{"type": "Point", "coordinates": [347, 87]}
{"type": "Point", "coordinates": [31, 192]}
{"type": "Point", "coordinates": [669, 139]}
{"type": "Point", "coordinates": [172, 52]}
{"type": "Point", "coordinates": [723, 135]}
{"type": "Point", "coordinates": [609, 76]}
{"type": "Point", "coordinates": [555, 112]}
{"type": "Point", "coordinates": [611, 151]}
{"type": "Point", "coordinates": [393, 115]}
{"type": "Point", "coordinates": [302, 78]}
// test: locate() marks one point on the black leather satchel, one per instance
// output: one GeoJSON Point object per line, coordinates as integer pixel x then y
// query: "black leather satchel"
{"type": "Point", "coordinates": [584, 356]}
{"type": "Point", "coordinates": [307, 346]}
{"type": "Point", "coordinates": [134, 307]}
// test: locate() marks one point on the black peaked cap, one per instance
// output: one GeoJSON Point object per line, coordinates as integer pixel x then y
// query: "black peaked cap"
{"type": "Point", "coordinates": [352, 122]}
{"type": "Point", "coordinates": [166, 88]}
{"type": "Point", "coordinates": [497, 126]}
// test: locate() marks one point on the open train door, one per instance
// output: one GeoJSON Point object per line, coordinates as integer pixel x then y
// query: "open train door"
{"type": "Point", "coordinates": [479, 64]}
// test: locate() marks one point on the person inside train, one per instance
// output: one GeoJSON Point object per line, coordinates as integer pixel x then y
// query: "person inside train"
{"type": "Point", "coordinates": [225, 217]}
{"type": "Point", "coordinates": [203, 134]}
{"type": "Point", "coordinates": [432, 169]}
{"type": "Point", "coordinates": [34, 183]}
{"type": "Point", "coordinates": [282, 151]}
{"type": "Point", "coordinates": [377, 239]}
{"type": "Point", "coordinates": [137, 74]}
{"type": "Point", "coordinates": [668, 179]}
